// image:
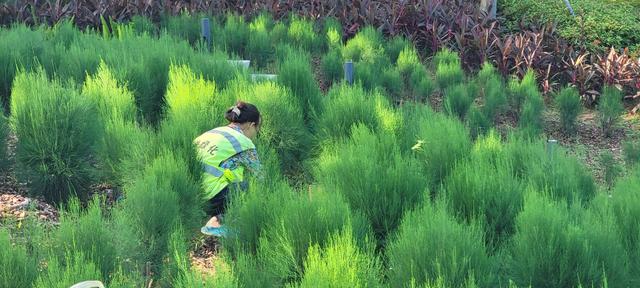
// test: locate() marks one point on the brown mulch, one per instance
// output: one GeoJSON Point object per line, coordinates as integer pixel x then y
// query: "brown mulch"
{"type": "Point", "coordinates": [204, 257]}
{"type": "Point", "coordinates": [18, 207]}
{"type": "Point", "coordinates": [316, 65]}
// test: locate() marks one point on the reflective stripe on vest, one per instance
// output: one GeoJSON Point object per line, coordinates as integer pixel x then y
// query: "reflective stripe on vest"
{"type": "Point", "coordinates": [215, 147]}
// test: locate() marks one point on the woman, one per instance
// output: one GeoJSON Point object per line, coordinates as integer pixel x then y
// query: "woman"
{"type": "Point", "coordinates": [226, 152]}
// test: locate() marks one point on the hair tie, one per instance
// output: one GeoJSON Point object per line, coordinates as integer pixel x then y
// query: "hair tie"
{"type": "Point", "coordinates": [236, 110]}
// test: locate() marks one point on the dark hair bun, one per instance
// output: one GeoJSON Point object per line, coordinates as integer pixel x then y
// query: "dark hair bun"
{"type": "Point", "coordinates": [242, 112]}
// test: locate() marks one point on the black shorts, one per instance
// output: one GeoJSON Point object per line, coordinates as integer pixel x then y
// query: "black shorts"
{"type": "Point", "coordinates": [217, 204]}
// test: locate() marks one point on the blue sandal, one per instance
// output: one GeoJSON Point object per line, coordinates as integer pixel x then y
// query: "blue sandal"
{"type": "Point", "coordinates": [214, 231]}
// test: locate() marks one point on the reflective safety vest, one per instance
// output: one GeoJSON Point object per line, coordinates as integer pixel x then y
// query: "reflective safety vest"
{"type": "Point", "coordinates": [214, 147]}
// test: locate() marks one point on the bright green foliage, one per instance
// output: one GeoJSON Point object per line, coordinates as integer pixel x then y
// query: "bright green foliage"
{"type": "Point", "coordinates": [408, 61]}
{"type": "Point", "coordinates": [553, 249]}
{"type": "Point", "coordinates": [259, 49]}
{"type": "Point", "coordinates": [612, 169]}
{"type": "Point", "coordinates": [183, 26]}
{"type": "Point", "coordinates": [364, 47]}
{"type": "Point", "coordinates": [441, 142]}
{"type": "Point", "coordinates": [295, 73]}
{"type": "Point", "coordinates": [57, 131]}
{"type": "Point", "coordinates": [391, 82]}
{"type": "Point", "coordinates": [279, 34]}
{"type": "Point", "coordinates": [347, 105]}
{"type": "Point", "coordinates": [599, 24]}
{"type": "Point", "coordinates": [483, 189]}
{"type": "Point", "coordinates": [117, 109]}
{"type": "Point", "coordinates": [333, 32]}
{"type": "Point", "coordinates": [625, 205]}
{"type": "Point", "coordinates": [458, 100]}
{"type": "Point", "coordinates": [235, 35]}
{"type": "Point", "coordinates": [278, 226]}
{"type": "Point", "coordinates": [421, 84]}
{"type": "Point", "coordinates": [448, 69]}
{"type": "Point", "coordinates": [87, 232]}
{"type": "Point", "coordinates": [354, 169]}
{"type": "Point", "coordinates": [17, 268]}
{"type": "Point", "coordinates": [332, 67]}
{"type": "Point", "coordinates": [302, 35]}
{"type": "Point", "coordinates": [283, 127]}
{"type": "Point", "coordinates": [395, 46]}
{"type": "Point", "coordinates": [163, 197]}
{"type": "Point", "coordinates": [477, 122]}
{"type": "Point", "coordinates": [430, 244]}
{"type": "Point", "coordinates": [564, 177]}
{"type": "Point", "coordinates": [631, 150]}
{"type": "Point", "coordinates": [520, 91]}
{"type": "Point", "coordinates": [74, 268]}
{"type": "Point", "coordinates": [610, 109]}
{"type": "Point", "coordinates": [341, 264]}
{"type": "Point", "coordinates": [527, 99]}
{"type": "Point", "coordinates": [5, 129]}
{"type": "Point", "coordinates": [569, 107]}
{"type": "Point", "coordinates": [493, 91]}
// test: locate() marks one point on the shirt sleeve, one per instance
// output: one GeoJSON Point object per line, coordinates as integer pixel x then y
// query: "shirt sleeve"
{"type": "Point", "coordinates": [250, 161]}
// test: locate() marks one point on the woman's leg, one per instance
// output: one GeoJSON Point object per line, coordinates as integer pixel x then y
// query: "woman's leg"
{"type": "Point", "coordinates": [215, 207]}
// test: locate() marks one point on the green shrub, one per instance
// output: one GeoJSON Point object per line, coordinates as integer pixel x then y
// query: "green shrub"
{"type": "Point", "coordinates": [520, 91]}
{"type": "Point", "coordinates": [477, 122]}
{"type": "Point", "coordinates": [364, 47]}
{"type": "Point", "coordinates": [332, 67]}
{"type": "Point", "coordinates": [569, 106]}
{"type": "Point", "coordinates": [551, 249]}
{"type": "Point", "coordinates": [599, 24]}
{"type": "Point", "coordinates": [448, 70]}
{"type": "Point", "coordinates": [458, 100]}
{"type": "Point", "coordinates": [395, 46]}
{"type": "Point", "coordinates": [296, 74]}
{"type": "Point", "coordinates": [259, 48]}
{"type": "Point", "coordinates": [493, 91]}
{"type": "Point", "coordinates": [421, 84]}
{"type": "Point", "coordinates": [279, 225]}
{"type": "Point", "coordinates": [5, 129]}
{"type": "Point", "coordinates": [235, 34]}
{"type": "Point", "coordinates": [631, 150]}
{"type": "Point", "coordinates": [279, 33]}
{"type": "Point", "coordinates": [430, 244]}
{"type": "Point", "coordinates": [408, 61]}
{"type": "Point", "coordinates": [57, 131]}
{"type": "Point", "coordinates": [162, 198]}
{"type": "Point", "coordinates": [341, 264]}
{"type": "Point", "coordinates": [143, 25]}
{"type": "Point", "coordinates": [391, 81]}
{"type": "Point", "coordinates": [531, 121]}
{"type": "Point", "coordinates": [368, 74]}
{"type": "Point", "coordinates": [610, 109]}
{"type": "Point", "coordinates": [74, 268]}
{"type": "Point", "coordinates": [17, 268]}
{"type": "Point", "coordinates": [283, 128]}
{"type": "Point", "coordinates": [302, 35]}
{"type": "Point", "coordinates": [364, 156]}
{"type": "Point", "coordinates": [484, 190]}
{"type": "Point", "coordinates": [612, 169]}
{"type": "Point", "coordinates": [183, 26]}
{"type": "Point", "coordinates": [625, 205]}
{"type": "Point", "coordinates": [87, 232]}
{"type": "Point", "coordinates": [441, 142]}
{"type": "Point", "coordinates": [333, 32]}
{"type": "Point", "coordinates": [347, 105]}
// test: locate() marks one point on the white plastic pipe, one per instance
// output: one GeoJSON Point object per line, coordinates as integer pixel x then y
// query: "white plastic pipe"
{"type": "Point", "coordinates": [88, 284]}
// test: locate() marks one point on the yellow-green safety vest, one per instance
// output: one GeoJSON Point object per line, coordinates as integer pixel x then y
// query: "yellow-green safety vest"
{"type": "Point", "coordinates": [214, 147]}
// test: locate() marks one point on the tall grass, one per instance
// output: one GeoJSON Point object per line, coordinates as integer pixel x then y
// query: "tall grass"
{"type": "Point", "coordinates": [610, 109]}
{"type": "Point", "coordinates": [367, 156]}
{"type": "Point", "coordinates": [332, 70]}
{"type": "Point", "coordinates": [448, 69]}
{"type": "Point", "coordinates": [235, 35]}
{"type": "Point", "coordinates": [347, 105]}
{"type": "Point", "coordinates": [430, 245]}
{"type": "Point", "coordinates": [458, 100]}
{"type": "Point", "coordinates": [57, 131]}
{"type": "Point", "coordinates": [296, 74]}
{"type": "Point", "coordinates": [72, 269]}
{"type": "Point", "coordinates": [554, 247]}
{"type": "Point", "coordinates": [17, 268]}
{"type": "Point", "coordinates": [341, 264]}
{"type": "Point", "coordinates": [530, 121]}
{"type": "Point", "coordinates": [259, 48]}
{"type": "Point", "coordinates": [625, 206]}
{"type": "Point", "coordinates": [302, 35]}
{"type": "Point", "coordinates": [493, 91]}
{"type": "Point", "coordinates": [366, 46]}
{"type": "Point", "coordinates": [333, 33]}
{"type": "Point", "coordinates": [569, 106]}
{"type": "Point", "coordinates": [484, 190]}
